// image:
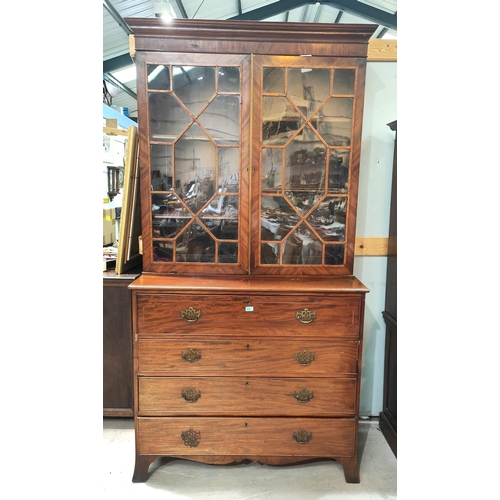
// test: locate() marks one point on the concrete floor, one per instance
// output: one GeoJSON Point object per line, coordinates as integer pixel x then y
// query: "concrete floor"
{"type": "Point", "coordinates": [182, 480]}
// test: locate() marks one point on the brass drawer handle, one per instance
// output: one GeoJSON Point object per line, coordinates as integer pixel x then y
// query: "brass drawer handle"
{"type": "Point", "coordinates": [191, 438]}
{"type": "Point", "coordinates": [191, 395]}
{"type": "Point", "coordinates": [191, 355]}
{"type": "Point", "coordinates": [190, 315]}
{"type": "Point", "coordinates": [305, 316]}
{"type": "Point", "coordinates": [302, 437]}
{"type": "Point", "coordinates": [304, 357]}
{"type": "Point", "coordinates": [303, 396]}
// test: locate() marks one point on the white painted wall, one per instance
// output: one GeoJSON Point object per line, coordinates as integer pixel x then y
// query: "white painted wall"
{"type": "Point", "coordinates": [377, 151]}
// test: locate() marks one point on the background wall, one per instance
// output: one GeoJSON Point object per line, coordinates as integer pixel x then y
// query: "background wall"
{"type": "Point", "coordinates": [377, 152]}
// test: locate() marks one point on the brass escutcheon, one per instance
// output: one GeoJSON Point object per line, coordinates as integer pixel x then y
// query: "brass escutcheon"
{"type": "Point", "coordinates": [191, 355]}
{"type": "Point", "coordinates": [190, 315]}
{"type": "Point", "coordinates": [304, 357]}
{"type": "Point", "coordinates": [302, 437]}
{"type": "Point", "coordinates": [303, 396]}
{"type": "Point", "coordinates": [305, 316]}
{"type": "Point", "coordinates": [191, 395]}
{"type": "Point", "coordinates": [191, 438]}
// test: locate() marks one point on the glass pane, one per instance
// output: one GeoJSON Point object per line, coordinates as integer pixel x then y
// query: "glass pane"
{"type": "Point", "coordinates": [308, 88]}
{"type": "Point", "coordinates": [336, 122]}
{"type": "Point", "coordinates": [166, 116]}
{"type": "Point", "coordinates": [229, 229]}
{"type": "Point", "coordinates": [343, 81]}
{"type": "Point", "coordinates": [161, 167]}
{"type": "Point", "coordinates": [195, 245]}
{"type": "Point", "coordinates": [278, 218]}
{"type": "Point", "coordinates": [305, 162]}
{"type": "Point", "coordinates": [222, 119]}
{"type": "Point", "coordinates": [328, 220]}
{"type": "Point", "coordinates": [302, 247]}
{"type": "Point", "coordinates": [269, 253]}
{"type": "Point", "coordinates": [229, 79]}
{"type": "Point", "coordinates": [169, 216]}
{"type": "Point", "coordinates": [334, 255]}
{"type": "Point", "coordinates": [303, 201]}
{"type": "Point", "coordinates": [228, 253]}
{"type": "Point", "coordinates": [274, 80]}
{"type": "Point", "coordinates": [194, 168]}
{"type": "Point", "coordinates": [222, 229]}
{"type": "Point", "coordinates": [271, 169]}
{"type": "Point", "coordinates": [163, 251]}
{"type": "Point", "coordinates": [223, 206]}
{"type": "Point", "coordinates": [194, 86]}
{"type": "Point", "coordinates": [280, 120]}
{"type": "Point", "coordinates": [158, 77]}
{"type": "Point", "coordinates": [229, 167]}
{"type": "Point", "coordinates": [338, 171]}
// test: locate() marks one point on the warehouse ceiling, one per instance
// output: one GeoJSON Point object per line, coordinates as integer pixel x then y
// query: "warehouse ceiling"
{"type": "Point", "coordinates": [119, 67]}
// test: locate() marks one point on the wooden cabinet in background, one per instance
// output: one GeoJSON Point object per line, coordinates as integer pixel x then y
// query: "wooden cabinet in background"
{"type": "Point", "coordinates": [117, 345]}
{"type": "Point", "coordinates": [388, 416]}
{"type": "Point", "coordinates": [247, 319]}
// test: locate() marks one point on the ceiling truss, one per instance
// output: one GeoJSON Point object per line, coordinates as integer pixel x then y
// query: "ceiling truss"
{"type": "Point", "coordinates": [354, 7]}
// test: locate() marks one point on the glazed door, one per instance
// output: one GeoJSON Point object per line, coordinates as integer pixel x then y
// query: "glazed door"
{"type": "Point", "coordinates": [194, 162]}
{"type": "Point", "coordinates": [307, 114]}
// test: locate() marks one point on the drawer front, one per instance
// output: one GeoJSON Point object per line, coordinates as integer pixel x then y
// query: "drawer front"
{"type": "Point", "coordinates": [326, 316]}
{"type": "Point", "coordinates": [306, 437]}
{"type": "Point", "coordinates": [265, 358]}
{"type": "Point", "coordinates": [247, 396]}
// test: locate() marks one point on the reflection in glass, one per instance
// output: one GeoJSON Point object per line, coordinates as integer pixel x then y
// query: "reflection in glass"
{"type": "Point", "coordinates": [223, 205]}
{"type": "Point", "coordinates": [278, 218]}
{"type": "Point", "coordinates": [343, 81]}
{"type": "Point", "coordinates": [269, 253]}
{"type": "Point", "coordinates": [195, 245]}
{"type": "Point", "coordinates": [161, 167]}
{"type": "Point", "coordinates": [229, 79]}
{"type": "Point", "coordinates": [271, 169]}
{"type": "Point", "coordinates": [280, 120]}
{"type": "Point", "coordinates": [336, 121]}
{"type": "Point", "coordinates": [167, 117]}
{"type": "Point", "coordinates": [163, 251]}
{"type": "Point", "coordinates": [169, 216]}
{"type": "Point", "coordinates": [274, 80]}
{"type": "Point", "coordinates": [308, 88]}
{"type": "Point", "coordinates": [194, 86]}
{"type": "Point", "coordinates": [229, 167]}
{"type": "Point", "coordinates": [305, 162]}
{"type": "Point", "coordinates": [334, 255]}
{"type": "Point", "coordinates": [303, 201]}
{"type": "Point", "coordinates": [158, 77]}
{"type": "Point", "coordinates": [328, 220]}
{"type": "Point", "coordinates": [302, 247]}
{"type": "Point", "coordinates": [222, 119]}
{"type": "Point", "coordinates": [194, 168]}
{"type": "Point", "coordinates": [222, 229]}
{"type": "Point", "coordinates": [228, 253]}
{"type": "Point", "coordinates": [338, 171]}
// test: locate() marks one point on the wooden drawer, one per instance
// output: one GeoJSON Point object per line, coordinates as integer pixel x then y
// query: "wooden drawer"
{"type": "Point", "coordinates": [252, 357]}
{"type": "Point", "coordinates": [321, 437]}
{"type": "Point", "coordinates": [247, 396]}
{"type": "Point", "coordinates": [254, 315]}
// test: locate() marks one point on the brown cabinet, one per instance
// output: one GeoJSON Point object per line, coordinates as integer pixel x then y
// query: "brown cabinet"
{"type": "Point", "coordinates": [388, 415]}
{"type": "Point", "coordinates": [247, 319]}
{"type": "Point", "coordinates": [117, 345]}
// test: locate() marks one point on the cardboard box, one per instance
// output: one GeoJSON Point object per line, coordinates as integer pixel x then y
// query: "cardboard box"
{"type": "Point", "coordinates": [108, 226]}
